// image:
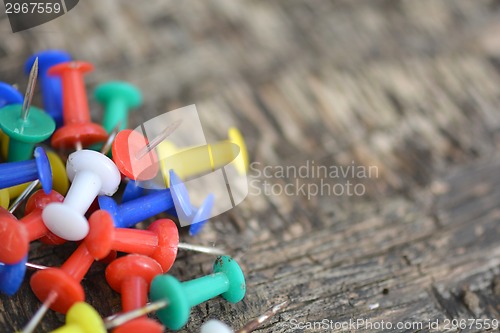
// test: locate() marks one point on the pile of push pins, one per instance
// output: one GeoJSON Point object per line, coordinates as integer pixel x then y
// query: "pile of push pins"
{"type": "Point", "coordinates": [75, 204]}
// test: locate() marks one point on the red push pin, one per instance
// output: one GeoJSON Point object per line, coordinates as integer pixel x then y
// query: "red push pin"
{"type": "Point", "coordinates": [128, 158]}
{"type": "Point", "coordinates": [131, 276]}
{"type": "Point", "coordinates": [159, 242]}
{"type": "Point", "coordinates": [60, 288]}
{"type": "Point", "coordinates": [15, 237]}
{"type": "Point", "coordinates": [33, 210]}
{"type": "Point", "coordinates": [133, 153]}
{"type": "Point", "coordinates": [78, 130]}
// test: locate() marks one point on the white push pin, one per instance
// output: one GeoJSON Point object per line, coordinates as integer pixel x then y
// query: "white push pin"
{"type": "Point", "coordinates": [215, 326]}
{"type": "Point", "coordinates": [91, 174]}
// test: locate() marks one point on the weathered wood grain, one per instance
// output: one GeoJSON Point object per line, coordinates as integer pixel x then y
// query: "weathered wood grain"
{"type": "Point", "coordinates": [411, 87]}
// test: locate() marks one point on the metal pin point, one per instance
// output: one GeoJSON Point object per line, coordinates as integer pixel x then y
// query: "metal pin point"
{"type": "Point", "coordinates": [20, 199]}
{"type": "Point", "coordinates": [257, 322]}
{"type": "Point", "coordinates": [111, 138]}
{"type": "Point", "coordinates": [120, 319]}
{"type": "Point", "coordinates": [35, 266]}
{"type": "Point", "coordinates": [30, 90]}
{"type": "Point", "coordinates": [202, 249]}
{"type": "Point", "coordinates": [37, 317]}
{"type": "Point", "coordinates": [158, 139]}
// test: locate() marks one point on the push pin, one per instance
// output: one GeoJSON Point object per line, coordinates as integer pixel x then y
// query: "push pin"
{"type": "Point", "coordinates": [81, 318]}
{"type": "Point", "coordinates": [215, 326]}
{"type": "Point", "coordinates": [78, 130]}
{"type": "Point", "coordinates": [188, 213]}
{"type": "Point", "coordinates": [60, 182]}
{"type": "Point", "coordinates": [173, 299]}
{"type": "Point", "coordinates": [51, 86]}
{"type": "Point", "coordinates": [125, 151]}
{"type": "Point", "coordinates": [190, 162]}
{"type": "Point", "coordinates": [132, 212]}
{"type": "Point", "coordinates": [60, 288]}
{"type": "Point", "coordinates": [4, 198]}
{"type": "Point", "coordinates": [131, 276]}
{"type": "Point", "coordinates": [92, 174]}
{"type": "Point", "coordinates": [25, 125]}
{"type": "Point", "coordinates": [118, 98]}
{"type": "Point", "coordinates": [15, 236]}
{"type": "Point", "coordinates": [9, 95]}
{"type": "Point", "coordinates": [12, 276]}
{"type": "Point", "coordinates": [59, 175]}
{"type": "Point", "coordinates": [226, 280]}
{"type": "Point", "coordinates": [158, 242]}
{"type": "Point", "coordinates": [15, 173]}
{"type": "Point", "coordinates": [135, 189]}
{"type": "Point", "coordinates": [134, 155]}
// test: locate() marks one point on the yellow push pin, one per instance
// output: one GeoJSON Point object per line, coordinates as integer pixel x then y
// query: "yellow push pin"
{"type": "Point", "coordinates": [190, 162]}
{"type": "Point", "coordinates": [4, 198]}
{"type": "Point", "coordinates": [60, 181]}
{"type": "Point", "coordinates": [82, 318]}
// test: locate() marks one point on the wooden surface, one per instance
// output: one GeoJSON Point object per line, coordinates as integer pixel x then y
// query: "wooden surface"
{"type": "Point", "coordinates": [411, 87]}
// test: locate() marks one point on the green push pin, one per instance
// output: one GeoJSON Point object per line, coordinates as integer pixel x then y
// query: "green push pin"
{"type": "Point", "coordinates": [24, 124]}
{"type": "Point", "coordinates": [226, 280]}
{"type": "Point", "coordinates": [118, 98]}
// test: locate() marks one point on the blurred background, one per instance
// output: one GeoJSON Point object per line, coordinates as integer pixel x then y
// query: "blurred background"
{"type": "Point", "coordinates": [410, 87]}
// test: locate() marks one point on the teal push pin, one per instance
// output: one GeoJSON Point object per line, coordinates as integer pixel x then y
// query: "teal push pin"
{"type": "Point", "coordinates": [118, 98]}
{"type": "Point", "coordinates": [226, 280]}
{"type": "Point", "coordinates": [25, 125]}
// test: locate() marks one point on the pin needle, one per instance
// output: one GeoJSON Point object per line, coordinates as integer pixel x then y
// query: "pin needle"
{"type": "Point", "coordinates": [30, 327]}
{"type": "Point", "coordinates": [23, 195]}
{"type": "Point", "coordinates": [119, 319]}
{"type": "Point", "coordinates": [254, 324]}
{"type": "Point", "coordinates": [199, 248]}
{"type": "Point", "coordinates": [158, 139]}
{"type": "Point", "coordinates": [111, 138]}
{"type": "Point", "coordinates": [30, 90]}
{"type": "Point", "coordinates": [35, 266]}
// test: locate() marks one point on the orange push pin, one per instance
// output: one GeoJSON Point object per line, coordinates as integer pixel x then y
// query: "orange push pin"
{"type": "Point", "coordinates": [78, 130]}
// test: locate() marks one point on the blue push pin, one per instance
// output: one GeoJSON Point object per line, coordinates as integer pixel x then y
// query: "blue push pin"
{"type": "Point", "coordinates": [12, 276]}
{"type": "Point", "coordinates": [132, 212]}
{"type": "Point", "coordinates": [197, 217]}
{"type": "Point", "coordinates": [134, 189]}
{"type": "Point", "coordinates": [51, 85]}
{"type": "Point", "coordinates": [9, 95]}
{"type": "Point", "coordinates": [15, 173]}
